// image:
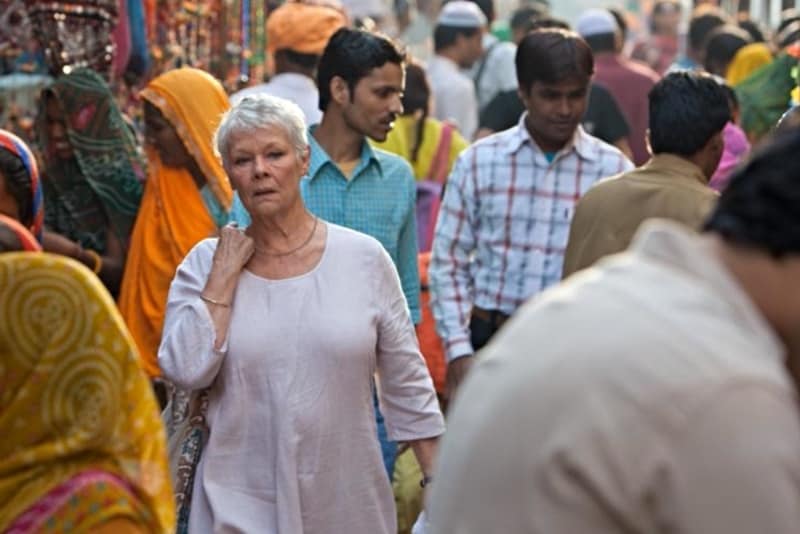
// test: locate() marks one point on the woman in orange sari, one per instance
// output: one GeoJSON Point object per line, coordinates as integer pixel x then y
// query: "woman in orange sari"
{"type": "Point", "coordinates": [83, 448]}
{"type": "Point", "coordinates": [186, 198]}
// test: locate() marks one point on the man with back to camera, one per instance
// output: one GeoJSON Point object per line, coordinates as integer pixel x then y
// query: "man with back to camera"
{"type": "Point", "coordinates": [654, 392]}
{"type": "Point", "coordinates": [688, 112]}
{"type": "Point", "coordinates": [627, 80]}
{"type": "Point", "coordinates": [505, 216]}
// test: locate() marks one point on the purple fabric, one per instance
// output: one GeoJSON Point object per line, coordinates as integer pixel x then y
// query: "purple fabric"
{"type": "Point", "coordinates": [428, 200]}
{"type": "Point", "coordinates": [736, 148]}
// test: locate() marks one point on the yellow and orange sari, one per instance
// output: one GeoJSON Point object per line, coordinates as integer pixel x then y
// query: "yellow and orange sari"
{"type": "Point", "coordinates": [82, 448]}
{"type": "Point", "coordinates": [173, 216]}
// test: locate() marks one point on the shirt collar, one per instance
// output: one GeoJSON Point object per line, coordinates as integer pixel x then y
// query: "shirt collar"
{"type": "Point", "coordinates": [320, 158]}
{"type": "Point", "coordinates": [676, 166]}
{"type": "Point", "coordinates": [582, 143]}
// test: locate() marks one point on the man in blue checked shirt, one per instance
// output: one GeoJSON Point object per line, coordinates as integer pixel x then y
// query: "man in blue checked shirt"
{"type": "Point", "coordinates": [360, 78]}
{"type": "Point", "coordinates": [506, 213]}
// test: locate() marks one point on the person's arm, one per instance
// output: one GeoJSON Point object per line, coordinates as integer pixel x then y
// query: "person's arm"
{"type": "Point", "coordinates": [199, 305]}
{"type": "Point", "coordinates": [735, 467]}
{"type": "Point", "coordinates": [407, 397]}
{"type": "Point", "coordinates": [109, 266]}
{"type": "Point", "coordinates": [451, 283]}
{"type": "Point", "coordinates": [407, 250]}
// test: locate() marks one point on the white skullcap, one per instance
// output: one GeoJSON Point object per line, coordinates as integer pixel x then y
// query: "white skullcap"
{"type": "Point", "coordinates": [461, 14]}
{"type": "Point", "coordinates": [595, 22]}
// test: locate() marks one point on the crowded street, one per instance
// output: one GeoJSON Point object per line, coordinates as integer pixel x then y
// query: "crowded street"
{"type": "Point", "coordinates": [399, 266]}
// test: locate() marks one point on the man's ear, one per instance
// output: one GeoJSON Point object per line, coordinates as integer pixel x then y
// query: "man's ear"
{"type": "Point", "coordinates": [340, 91]}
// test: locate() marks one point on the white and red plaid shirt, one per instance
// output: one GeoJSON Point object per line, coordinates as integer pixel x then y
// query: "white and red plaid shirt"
{"type": "Point", "coordinates": [504, 222]}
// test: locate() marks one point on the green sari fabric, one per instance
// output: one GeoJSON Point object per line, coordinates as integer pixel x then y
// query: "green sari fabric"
{"type": "Point", "coordinates": [102, 185]}
{"type": "Point", "coordinates": [765, 95]}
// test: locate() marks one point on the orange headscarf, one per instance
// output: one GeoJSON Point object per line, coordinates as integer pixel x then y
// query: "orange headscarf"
{"type": "Point", "coordinates": [172, 217]}
{"type": "Point", "coordinates": [303, 27]}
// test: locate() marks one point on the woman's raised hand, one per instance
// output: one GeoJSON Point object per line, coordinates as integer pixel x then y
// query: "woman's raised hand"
{"type": "Point", "coordinates": [233, 252]}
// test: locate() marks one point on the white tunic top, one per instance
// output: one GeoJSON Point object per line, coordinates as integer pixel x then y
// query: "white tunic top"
{"type": "Point", "coordinates": [293, 444]}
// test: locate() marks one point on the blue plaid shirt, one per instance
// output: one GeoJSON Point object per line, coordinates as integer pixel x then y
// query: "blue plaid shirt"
{"type": "Point", "coordinates": [379, 200]}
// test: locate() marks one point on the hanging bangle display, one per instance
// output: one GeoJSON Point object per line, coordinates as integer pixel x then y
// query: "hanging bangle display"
{"type": "Point", "coordinates": [96, 259]}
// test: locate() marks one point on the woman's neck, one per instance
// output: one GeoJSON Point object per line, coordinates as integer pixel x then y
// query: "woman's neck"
{"type": "Point", "coordinates": [283, 232]}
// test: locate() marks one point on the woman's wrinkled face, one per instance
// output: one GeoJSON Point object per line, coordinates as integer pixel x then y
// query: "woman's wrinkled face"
{"type": "Point", "coordinates": [56, 130]}
{"type": "Point", "coordinates": [265, 168]}
{"type": "Point", "coordinates": [162, 137]}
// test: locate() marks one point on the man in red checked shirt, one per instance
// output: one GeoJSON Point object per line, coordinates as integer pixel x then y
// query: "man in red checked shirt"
{"type": "Point", "coordinates": [506, 212]}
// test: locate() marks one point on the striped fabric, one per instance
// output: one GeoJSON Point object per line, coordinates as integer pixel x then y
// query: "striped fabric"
{"type": "Point", "coordinates": [504, 222]}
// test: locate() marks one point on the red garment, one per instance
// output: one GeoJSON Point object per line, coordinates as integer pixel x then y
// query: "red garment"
{"type": "Point", "coordinates": [629, 82]}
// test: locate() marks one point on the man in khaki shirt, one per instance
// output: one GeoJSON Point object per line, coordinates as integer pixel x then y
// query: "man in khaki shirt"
{"type": "Point", "coordinates": [688, 112]}
{"type": "Point", "coordinates": [655, 392]}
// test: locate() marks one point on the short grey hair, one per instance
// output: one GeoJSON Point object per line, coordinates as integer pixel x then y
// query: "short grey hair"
{"type": "Point", "coordinates": [259, 111]}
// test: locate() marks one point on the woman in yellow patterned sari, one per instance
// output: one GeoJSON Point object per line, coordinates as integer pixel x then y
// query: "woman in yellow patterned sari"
{"type": "Point", "coordinates": [82, 447]}
{"type": "Point", "coordinates": [186, 197]}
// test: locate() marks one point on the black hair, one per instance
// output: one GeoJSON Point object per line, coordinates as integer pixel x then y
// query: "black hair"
{"type": "Point", "coordinates": [551, 56]}
{"type": "Point", "coordinates": [722, 46]}
{"type": "Point", "coordinates": [702, 24]}
{"type": "Point", "coordinates": [487, 7]}
{"type": "Point", "coordinates": [352, 55]}
{"type": "Point", "coordinates": [305, 61]}
{"type": "Point", "coordinates": [18, 184]}
{"type": "Point", "coordinates": [522, 18]}
{"type": "Point", "coordinates": [551, 23]}
{"type": "Point", "coordinates": [446, 36]}
{"type": "Point", "coordinates": [758, 208]}
{"type": "Point", "coordinates": [733, 100]}
{"type": "Point", "coordinates": [619, 18]}
{"type": "Point", "coordinates": [602, 42]}
{"type": "Point", "coordinates": [416, 97]}
{"type": "Point", "coordinates": [753, 29]}
{"type": "Point", "coordinates": [686, 110]}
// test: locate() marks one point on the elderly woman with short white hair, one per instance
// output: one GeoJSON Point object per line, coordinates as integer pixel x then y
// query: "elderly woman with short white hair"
{"type": "Point", "coordinates": [286, 323]}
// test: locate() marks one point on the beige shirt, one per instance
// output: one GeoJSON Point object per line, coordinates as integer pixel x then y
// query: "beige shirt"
{"type": "Point", "coordinates": [644, 395]}
{"type": "Point", "coordinates": [608, 215]}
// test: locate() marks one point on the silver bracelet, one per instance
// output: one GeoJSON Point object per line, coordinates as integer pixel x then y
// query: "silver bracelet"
{"type": "Point", "coordinates": [217, 302]}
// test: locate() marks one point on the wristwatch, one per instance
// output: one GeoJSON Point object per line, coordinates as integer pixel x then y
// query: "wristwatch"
{"type": "Point", "coordinates": [425, 481]}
